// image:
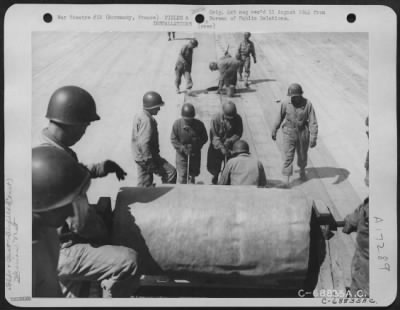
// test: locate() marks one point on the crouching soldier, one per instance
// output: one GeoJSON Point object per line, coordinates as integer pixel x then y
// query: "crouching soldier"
{"type": "Point", "coordinates": [225, 129]}
{"type": "Point", "coordinates": [227, 67]}
{"type": "Point", "coordinates": [242, 169]}
{"type": "Point", "coordinates": [188, 137]}
{"type": "Point", "coordinates": [85, 253]}
{"type": "Point", "coordinates": [57, 182]}
{"type": "Point", "coordinates": [300, 130]}
{"type": "Point", "coordinates": [145, 144]}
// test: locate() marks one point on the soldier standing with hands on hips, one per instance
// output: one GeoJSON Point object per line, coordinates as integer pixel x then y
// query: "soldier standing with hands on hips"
{"type": "Point", "coordinates": [300, 130]}
{"type": "Point", "coordinates": [188, 137]}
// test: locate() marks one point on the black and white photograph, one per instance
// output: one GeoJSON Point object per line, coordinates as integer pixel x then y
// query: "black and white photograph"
{"type": "Point", "coordinates": [201, 164]}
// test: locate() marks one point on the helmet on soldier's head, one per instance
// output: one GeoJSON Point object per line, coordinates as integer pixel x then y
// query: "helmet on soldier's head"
{"type": "Point", "coordinates": [239, 147]}
{"type": "Point", "coordinates": [152, 100]}
{"type": "Point", "coordinates": [57, 178]}
{"type": "Point", "coordinates": [294, 90]}
{"type": "Point", "coordinates": [229, 110]}
{"type": "Point", "coordinates": [213, 66]}
{"type": "Point", "coordinates": [194, 42]}
{"type": "Point", "coordinates": [247, 35]}
{"type": "Point", "coordinates": [72, 105]}
{"type": "Point", "coordinates": [188, 111]}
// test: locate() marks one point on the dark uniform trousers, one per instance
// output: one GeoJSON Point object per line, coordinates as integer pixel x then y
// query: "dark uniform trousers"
{"type": "Point", "coordinates": [358, 222]}
{"type": "Point", "coordinates": [183, 134]}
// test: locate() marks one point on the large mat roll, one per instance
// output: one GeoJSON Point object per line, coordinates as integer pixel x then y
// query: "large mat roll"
{"type": "Point", "coordinates": [234, 234]}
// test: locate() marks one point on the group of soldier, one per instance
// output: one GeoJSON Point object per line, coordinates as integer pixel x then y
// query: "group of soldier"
{"type": "Point", "coordinates": [71, 238]}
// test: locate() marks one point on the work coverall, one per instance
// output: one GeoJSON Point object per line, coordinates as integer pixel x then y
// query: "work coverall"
{"type": "Point", "coordinates": [184, 66]}
{"type": "Point", "coordinates": [243, 170]}
{"type": "Point", "coordinates": [85, 254]}
{"type": "Point", "coordinates": [183, 134]}
{"type": "Point", "coordinates": [299, 127]}
{"type": "Point", "coordinates": [227, 67]}
{"type": "Point", "coordinates": [224, 133]}
{"type": "Point", "coordinates": [45, 253]}
{"type": "Point", "coordinates": [245, 50]}
{"type": "Point", "coordinates": [146, 151]}
{"type": "Point", "coordinates": [358, 222]}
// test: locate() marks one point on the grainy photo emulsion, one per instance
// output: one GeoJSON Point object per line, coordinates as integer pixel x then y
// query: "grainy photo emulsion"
{"type": "Point", "coordinates": [189, 162]}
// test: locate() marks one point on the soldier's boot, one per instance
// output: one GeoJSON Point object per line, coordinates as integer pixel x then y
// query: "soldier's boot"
{"type": "Point", "coordinates": [246, 80]}
{"type": "Point", "coordinates": [303, 175]}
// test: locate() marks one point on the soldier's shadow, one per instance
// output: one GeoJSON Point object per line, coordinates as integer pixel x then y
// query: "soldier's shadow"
{"type": "Point", "coordinates": [340, 174]}
{"type": "Point", "coordinates": [258, 81]}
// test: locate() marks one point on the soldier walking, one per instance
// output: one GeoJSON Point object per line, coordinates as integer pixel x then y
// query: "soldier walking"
{"type": "Point", "coordinates": [300, 130]}
{"type": "Point", "coordinates": [184, 65]}
{"type": "Point", "coordinates": [225, 129]}
{"type": "Point", "coordinates": [242, 169]}
{"type": "Point", "coordinates": [86, 253]}
{"type": "Point", "coordinates": [188, 137]}
{"type": "Point", "coordinates": [145, 144]}
{"type": "Point", "coordinates": [245, 50]}
{"type": "Point", "coordinates": [227, 67]}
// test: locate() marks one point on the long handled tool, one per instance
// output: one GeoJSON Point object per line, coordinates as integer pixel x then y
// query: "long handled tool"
{"type": "Point", "coordinates": [188, 169]}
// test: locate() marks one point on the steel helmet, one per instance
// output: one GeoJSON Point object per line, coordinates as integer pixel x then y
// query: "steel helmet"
{"type": "Point", "coordinates": [72, 105]}
{"type": "Point", "coordinates": [57, 178]}
{"type": "Point", "coordinates": [247, 35]}
{"type": "Point", "coordinates": [294, 90]}
{"type": "Point", "coordinates": [188, 111]}
{"type": "Point", "coordinates": [194, 42]}
{"type": "Point", "coordinates": [213, 66]}
{"type": "Point", "coordinates": [239, 147]}
{"type": "Point", "coordinates": [229, 109]}
{"type": "Point", "coordinates": [152, 100]}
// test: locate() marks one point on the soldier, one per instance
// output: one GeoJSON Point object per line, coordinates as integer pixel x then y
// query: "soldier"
{"type": "Point", "coordinates": [188, 137]}
{"type": "Point", "coordinates": [57, 181]}
{"type": "Point", "coordinates": [300, 130]}
{"type": "Point", "coordinates": [145, 145]}
{"type": "Point", "coordinates": [242, 169]}
{"type": "Point", "coordinates": [85, 254]}
{"type": "Point", "coordinates": [169, 36]}
{"type": "Point", "coordinates": [184, 65]}
{"type": "Point", "coordinates": [358, 222]}
{"type": "Point", "coordinates": [245, 50]}
{"type": "Point", "coordinates": [225, 129]}
{"type": "Point", "coordinates": [227, 67]}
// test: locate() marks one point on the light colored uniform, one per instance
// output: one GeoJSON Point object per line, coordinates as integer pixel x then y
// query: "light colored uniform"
{"type": "Point", "coordinates": [243, 170]}
{"type": "Point", "coordinates": [299, 126]}
{"type": "Point", "coordinates": [228, 67]}
{"type": "Point", "coordinates": [358, 222]}
{"type": "Point", "coordinates": [146, 151]}
{"type": "Point", "coordinates": [184, 67]}
{"type": "Point", "coordinates": [84, 255]}
{"type": "Point", "coordinates": [183, 134]}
